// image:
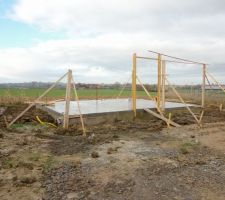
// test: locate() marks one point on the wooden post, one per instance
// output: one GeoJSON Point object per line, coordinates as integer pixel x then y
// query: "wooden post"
{"type": "Point", "coordinates": [201, 116]}
{"type": "Point", "coordinates": [221, 107]}
{"type": "Point", "coordinates": [159, 82]}
{"type": "Point", "coordinates": [203, 84]}
{"type": "Point", "coordinates": [163, 83]}
{"type": "Point", "coordinates": [68, 98]}
{"type": "Point", "coordinates": [134, 84]}
{"type": "Point", "coordinates": [169, 119]}
{"type": "Point", "coordinates": [31, 105]}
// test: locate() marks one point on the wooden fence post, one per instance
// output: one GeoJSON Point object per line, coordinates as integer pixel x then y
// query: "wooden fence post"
{"type": "Point", "coordinates": [163, 84]}
{"type": "Point", "coordinates": [134, 85]}
{"type": "Point", "coordinates": [68, 98]}
{"type": "Point", "coordinates": [159, 81]}
{"type": "Point", "coordinates": [203, 84]}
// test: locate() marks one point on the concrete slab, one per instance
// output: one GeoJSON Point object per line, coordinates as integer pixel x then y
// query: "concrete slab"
{"type": "Point", "coordinates": [109, 106]}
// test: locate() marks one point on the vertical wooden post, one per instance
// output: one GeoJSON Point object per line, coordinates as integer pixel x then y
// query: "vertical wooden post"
{"type": "Point", "coordinates": [169, 120]}
{"type": "Point", "coordinates": [134, 84]}
{"type": "Point", "coordinates": [163, 83]}
{"type": "Point", "coordinates": [203, 84]}
{"type": "Point", "coordinates": [68, 97]}
{"type": "Point", "coordinates": [159, 82]}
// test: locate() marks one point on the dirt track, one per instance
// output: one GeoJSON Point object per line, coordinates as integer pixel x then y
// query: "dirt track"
{"type": "Point", "coordinates": [122, 160]}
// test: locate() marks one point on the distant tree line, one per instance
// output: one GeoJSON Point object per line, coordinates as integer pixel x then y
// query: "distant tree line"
{"type": "Point", "coordinates": [116, 85]}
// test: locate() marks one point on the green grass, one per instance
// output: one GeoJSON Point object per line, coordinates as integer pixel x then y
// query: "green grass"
{"type": "Point", "coordinates": [17, 125]}
{"type": "Point", "coordinates": [35, 157]}
{"type": "Point", "coordinates": [187, 147]}
{"type": "Point", "coordinates": [60, 93]}
{"type": "Point", "coordinates": [50, 162]}
{"type": "Point", "coordinates": [8, 163]}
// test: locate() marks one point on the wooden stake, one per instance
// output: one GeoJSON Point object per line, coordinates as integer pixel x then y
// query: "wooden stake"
{"type": "Point", "coordinates": [201, 116]}
{"type": "Point", "coordinates": [181, 99]}
{"type": "Point", "coordinates": [221, 107]}
{"type": "Point", "coordinates": [78, 106]}
{"type": "Point", "coordinates": [5, 120]}
{"type": "Point", "coordinates": [134, 85]}
{"type": "Point", "coordinates": [169, 120]}
{"type": "Point", "coordinates": [159, 82]}
{"type": "Point", "coordinates": [163, 84]}
{"type": "Point", "coordinates": [203, 84]}
{"type": "Point", "coordinates": [67, 98]}
{"type": "Point", "coordinates": [32, 104]}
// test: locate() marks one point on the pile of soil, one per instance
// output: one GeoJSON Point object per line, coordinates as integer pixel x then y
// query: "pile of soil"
{"type": "Point", "coordinates": [13, 110]}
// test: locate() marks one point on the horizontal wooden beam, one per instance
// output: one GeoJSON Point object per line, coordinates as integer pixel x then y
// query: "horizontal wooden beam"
{"type": "Point", "coordinates": [171, 61]}
{"type": "Point", "coordinates": [162, 118]}
{"type": "Point", "coordinates": [177, 58]}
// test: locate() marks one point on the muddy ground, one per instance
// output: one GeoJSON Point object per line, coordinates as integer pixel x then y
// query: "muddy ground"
{"type": "Point", "coordinates": [118, 160]}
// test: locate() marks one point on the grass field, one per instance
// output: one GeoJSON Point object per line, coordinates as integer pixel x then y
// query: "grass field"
{"type": "Point", "coordinates": [60, 93]}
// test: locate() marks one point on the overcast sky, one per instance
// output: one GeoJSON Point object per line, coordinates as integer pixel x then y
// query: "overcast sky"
{"type": "Point", "coordinates": [40, 40]}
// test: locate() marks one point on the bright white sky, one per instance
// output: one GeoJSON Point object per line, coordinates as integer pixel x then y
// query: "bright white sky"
{"type": "Point", "coordinates": [40, 40]}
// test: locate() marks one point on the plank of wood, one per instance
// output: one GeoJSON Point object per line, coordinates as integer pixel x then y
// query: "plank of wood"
{"type": "Point", "coordinates": [169, 120]}
{"type": "Point", "coordinates": [144, 88]}
{"type": "Point", "coordinates": [201, 116]}
{"type": "Point", "coordinates": [134, 85]}
{"type": "Point", "coordinates": [67, 98]}
{"type": "Point", "coordinates": [163, 84]}
{"type": "Point", "coordinates": [159, 82]}
{"type": "Point", "coordinates": [203, 85]}
{"type": "Point", "coordinates": [182, 100]}
{"type": "Point", "coordinates": [161, 117]}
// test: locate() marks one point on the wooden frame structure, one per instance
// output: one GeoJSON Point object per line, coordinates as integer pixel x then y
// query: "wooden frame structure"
{"type": "Point", "coordinates": [70, 81]}
{"type": "Point", "coordinates": [160, 100]}
{"type": "Point", "coordinates": [162, 59]}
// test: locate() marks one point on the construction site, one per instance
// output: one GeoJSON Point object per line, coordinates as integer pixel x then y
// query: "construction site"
{"type": "Point", "coordinates": [163, 145]}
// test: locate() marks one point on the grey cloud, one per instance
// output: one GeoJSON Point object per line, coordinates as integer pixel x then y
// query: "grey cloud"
{"type": "Point", "coordinates": [102, 36]}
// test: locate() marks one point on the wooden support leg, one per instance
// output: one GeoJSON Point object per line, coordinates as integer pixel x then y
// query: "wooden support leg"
{"type": "Point", "coordinates": [134, 85]}
{"type": "Point", "coordinates": [212, 77]}
{"type": "Point", "coordinates": [68, 98]}
{"type": "Point", "coordinates": [168, 122]}
{"type": "Point", "coordinates": [181, 99]}
{"type": "Point", "coordinates": [159, 82]}
{"type": "Point", "coordinates": [203, 85]}
{"type": "Point", "coordinates": [146, 91]}
{"type": "Point", "coordinates": [32, 104]}
{"type": "Point", "coordinates": [163, 84]}
{"type": "Point", "coordinates": [78, 106]}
